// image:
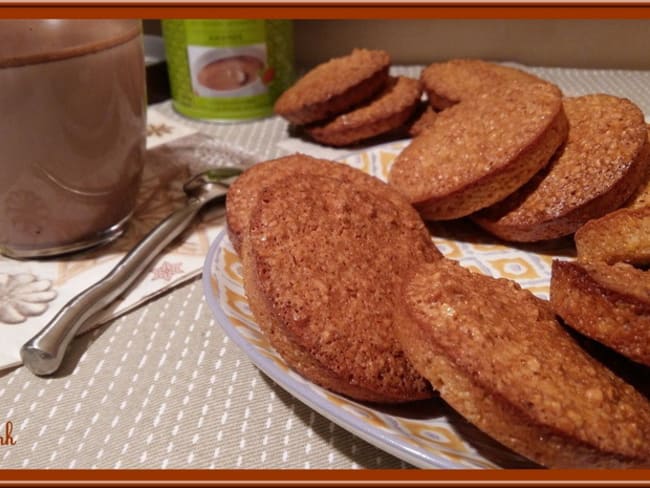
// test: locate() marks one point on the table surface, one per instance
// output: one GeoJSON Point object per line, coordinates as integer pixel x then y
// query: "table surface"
{"type": "Point", "coordinates": [164, 387]}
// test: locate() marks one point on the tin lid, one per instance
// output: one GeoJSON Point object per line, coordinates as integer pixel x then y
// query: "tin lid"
{"type": "Point", "coordinates": [34, 41]}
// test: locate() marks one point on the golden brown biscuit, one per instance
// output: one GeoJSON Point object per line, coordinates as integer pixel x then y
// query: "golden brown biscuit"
{"type": "Point", "coordinates": [243, 193]}
{"type": "Point", "coordinates": [323, 265]}
{"type": "Point", "coordinates": [480, 151]}
{"type": "Point", "coordinates": [497, 355]}
{"type": "Point", "coordinates": [450, 82]}
{"type": "Point", "coordinates": [603, 295]}
{"type": "Point", "coordinates": [622, 235]}
{"type": "Point", "coordinates": [334, 87]}
{"type": "Point", "coordinates": [596, 171]}
{"type": "Point", "coordinates": [388, 111]}
{"type": "Point", "coordinates": [608, 303]}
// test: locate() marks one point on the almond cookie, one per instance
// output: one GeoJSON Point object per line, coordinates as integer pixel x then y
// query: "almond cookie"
{"type": "Point", "coordinates": [243, 193]}
{"type": "Point", "coordinates": [386, 112]}
{"type": "Point", "coordinates": [603, 295]}
{"type": "Point", "coordinates": [480, 151]}
{"type": "Point", "coordinates": [608, 303]}
{"type": "Point", "coordinates": [497, 355]}
{"type": "Point", "coordinates": [597, 170]}
{"type": "Point", "coordinates": [324, 261]}
{"type": "Point", "coordinates": [450, 82]}
{"type": "Point", "coordinates": [622, 235]}
{"type": "Point", "coordinates": [334, 87]}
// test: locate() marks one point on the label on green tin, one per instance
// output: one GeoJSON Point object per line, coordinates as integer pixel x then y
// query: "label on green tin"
{"type": "Point", "coordinates": [231, 69]}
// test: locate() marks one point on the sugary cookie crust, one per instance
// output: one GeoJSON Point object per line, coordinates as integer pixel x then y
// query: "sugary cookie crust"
{"type": "Point", "coordinates": [244, 192]}
{"type": "Point", "coordinates": [453, 81]}
{"type": "Point", "coordinates": [498, 356]}
{"type": "Point", "coordinates": [596, 171]}
{"type": "Point", "coordinates": [334, 87]}
{"type": "Point", "coordinates": [481, 150]}
{"type": "Point", "coordinates": [609, 303]}
{"type": "Point", "coordinates": [323, 263]}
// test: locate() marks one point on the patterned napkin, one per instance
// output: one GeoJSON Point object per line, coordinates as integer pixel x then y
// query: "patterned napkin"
{"type": "Point", "coordinates": [32, 291]}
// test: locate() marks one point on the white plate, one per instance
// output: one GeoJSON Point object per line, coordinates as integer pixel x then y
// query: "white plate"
{"type": "Point", "coordinates": [427, 434]}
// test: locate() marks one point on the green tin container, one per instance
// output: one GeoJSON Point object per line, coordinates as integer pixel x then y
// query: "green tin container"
{"type": "Point", "coordinates": [228, 70]}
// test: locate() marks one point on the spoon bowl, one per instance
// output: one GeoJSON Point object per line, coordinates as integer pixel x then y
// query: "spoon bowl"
{"type": "Point", "coordinates": [204, 185]}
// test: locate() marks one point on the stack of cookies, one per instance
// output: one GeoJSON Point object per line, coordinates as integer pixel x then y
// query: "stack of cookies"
{"type": "Point", "coordinates": [350, 99]}
{"type": "Point", "coordinates": [605, 292]}
{"type": "Point", "coordinates": [510, 151]}
{"type": "Point", "coordinates": [344, 280]}
{"type": "Point", "coordinates": [492, 143]}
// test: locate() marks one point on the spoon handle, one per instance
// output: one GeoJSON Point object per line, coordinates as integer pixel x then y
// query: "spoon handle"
{"type": "Point", "coordinates": [43, 353]}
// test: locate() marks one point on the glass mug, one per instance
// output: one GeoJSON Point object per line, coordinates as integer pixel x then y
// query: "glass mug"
{"type": "Point", "coordinates": [72, 132]}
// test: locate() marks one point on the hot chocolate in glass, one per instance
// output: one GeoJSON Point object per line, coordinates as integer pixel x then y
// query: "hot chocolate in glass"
{"type": "Point", "coordinates": [72, 132]}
